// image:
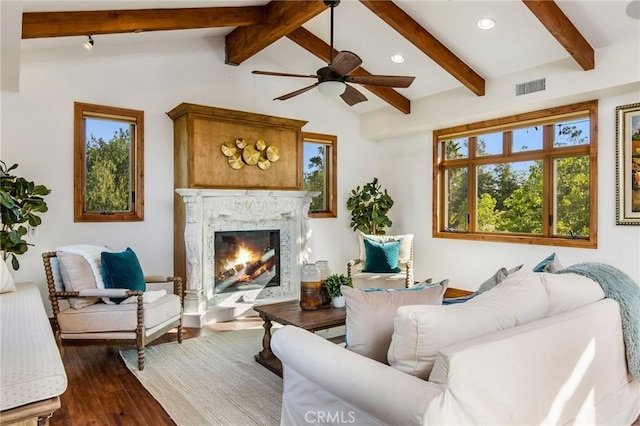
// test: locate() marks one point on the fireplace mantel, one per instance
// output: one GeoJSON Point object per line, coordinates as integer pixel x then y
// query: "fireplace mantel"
{"type": "Point", "coordinates": [211, 210]}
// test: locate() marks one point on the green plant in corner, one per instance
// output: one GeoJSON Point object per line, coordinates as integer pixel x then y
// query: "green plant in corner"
{"type": "Point", "coordinates": [22, 203]}
{"type": "Point", "coordinates": [369, 208]}
{"type": "Point", "coordinates": [333, 283]}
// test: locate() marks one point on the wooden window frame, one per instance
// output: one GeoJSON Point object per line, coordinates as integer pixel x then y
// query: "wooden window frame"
{"type": "Point", "coordinates": [82, 110]}
{"type": "Point", "coordinates": [331, 172]}
{"type": "Point", "coordinates": [547, 154]}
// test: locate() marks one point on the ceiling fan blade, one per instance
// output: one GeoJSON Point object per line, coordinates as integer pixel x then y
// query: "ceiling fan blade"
{"type": "Point", "coordinates": [296, 93]}
{"type": "Point", "coordinates": [284, 74]}
{"type": "Point", "coordinates": [381, 80]}
{"type": "Point", "coordinates": [352, 96]}
{"type": "Point", "coordinates": [345, 62]}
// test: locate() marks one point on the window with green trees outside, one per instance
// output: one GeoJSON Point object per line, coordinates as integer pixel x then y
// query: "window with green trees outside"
{"type": "Point", "coordinates": [319, 172]}
{"type": "Point", "coordinates": [529, 178]}
{"type": "Point", "coordinates": [108, 164]}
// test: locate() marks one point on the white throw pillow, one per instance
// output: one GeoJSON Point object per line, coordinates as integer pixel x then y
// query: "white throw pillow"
{"type": "Point", "coordinates": [77, 275]}
{"type": "Point", "coordinates": [6, 280]}
{"type": "Point", "coordinates": [420, 331]}
{"type": "Point", "coordinates": [570, 291]}
{"type": "Point", "coordinates": [370, 313]}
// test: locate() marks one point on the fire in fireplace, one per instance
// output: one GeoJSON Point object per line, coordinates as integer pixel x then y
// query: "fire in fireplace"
{"type": "Point", "coordinates": [246, 260]}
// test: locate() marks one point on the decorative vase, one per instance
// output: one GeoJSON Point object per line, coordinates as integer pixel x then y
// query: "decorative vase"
{"type": "Point", "coordinates": [310, 288]}
{"type": "Point", "coordinates": [325, 271]}
{"type": "Point", "coordinates": [338, 302]}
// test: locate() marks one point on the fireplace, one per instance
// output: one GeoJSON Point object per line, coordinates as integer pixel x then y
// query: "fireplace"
{"type": "Point", "coordinates": [242, 247]}
{"type": "Point", "coordinates": [246, 261]}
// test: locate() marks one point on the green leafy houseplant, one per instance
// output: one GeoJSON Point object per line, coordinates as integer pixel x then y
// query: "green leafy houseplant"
{"type": "Point", "coordinates": [22, 202]}
{"type": "Point", "coordinates": [369, 207]}
{"type": "Point", "coordinates": [333, 283]}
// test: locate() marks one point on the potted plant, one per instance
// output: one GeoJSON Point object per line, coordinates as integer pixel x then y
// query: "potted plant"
{"type": "Point", "coordinates": [22, 202]}
{"type": "Point", "coordinates": [332, 287]}
{"type": "Point", "coordinates": [369, 207]}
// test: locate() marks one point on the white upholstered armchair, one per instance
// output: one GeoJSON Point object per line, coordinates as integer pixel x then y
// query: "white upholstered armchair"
{"type": "Point", "coordinates": [385, 261]}
{"type": "Point", "coordinates": [84, 312]}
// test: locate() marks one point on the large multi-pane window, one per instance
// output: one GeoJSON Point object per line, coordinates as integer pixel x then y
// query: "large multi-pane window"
{"type": "Point", "coordinates": [319, 172]}
{"type": "Point", "coordinates": [108, 164]}
{"type": "Point", "coordinates": [530, 178]}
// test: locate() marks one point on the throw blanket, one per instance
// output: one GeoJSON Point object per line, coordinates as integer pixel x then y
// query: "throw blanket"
{"type": "Point", "coordinates": [620, 287]}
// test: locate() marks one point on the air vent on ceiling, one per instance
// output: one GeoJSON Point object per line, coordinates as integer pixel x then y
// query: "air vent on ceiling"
{"type": "Point", "coordinates": [531, 86]}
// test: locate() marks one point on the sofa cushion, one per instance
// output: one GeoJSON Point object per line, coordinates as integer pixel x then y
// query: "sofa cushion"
{"type": "Point", "coordinates": [381, 257]}
{"type": "Point", "coordinates": [500, 275]}
{"type": "Point", "coordinates": [370, 313]}
{"type": "Point", "coordinates": [76, 275]}
{"type": "Point", "coordinates": [102, 317]}
{"type": "Point", "coordinates": [420, 331]}
{"type": "Point", "coordinates": [567, 292]}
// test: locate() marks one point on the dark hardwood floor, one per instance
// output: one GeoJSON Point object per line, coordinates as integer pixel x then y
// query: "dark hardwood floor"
{"type": "Point", "coordinates": [102, 391]}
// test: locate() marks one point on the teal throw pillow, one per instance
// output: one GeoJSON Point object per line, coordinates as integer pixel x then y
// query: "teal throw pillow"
{"type": "Point", "coordinates": [549, 264]}
{"type": "Point", "coordinates": [122, 270]}
{"type": "Point", "coordinates": [381, 257]}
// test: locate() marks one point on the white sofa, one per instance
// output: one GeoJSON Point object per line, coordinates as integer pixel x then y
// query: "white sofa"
{"type": "Point", "coordinates": [566, 368]}
{"type": "Point", "coordinates": [32, 376]}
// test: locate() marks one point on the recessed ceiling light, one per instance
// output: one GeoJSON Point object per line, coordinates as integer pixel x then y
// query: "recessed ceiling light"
{"type": "Point", "coordinates": [397, 58]}
{"type": "Point", "coordinates": [485, 23]}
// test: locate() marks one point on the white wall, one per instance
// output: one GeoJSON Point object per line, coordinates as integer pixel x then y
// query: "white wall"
{"type": "Point", "coordinates": [37, 133]}
{"type": "Point", "coordinates": [407, 173]}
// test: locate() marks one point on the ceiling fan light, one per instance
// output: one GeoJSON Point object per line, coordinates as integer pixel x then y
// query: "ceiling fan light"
{"type": "Point", "coordinates": [332, 88]}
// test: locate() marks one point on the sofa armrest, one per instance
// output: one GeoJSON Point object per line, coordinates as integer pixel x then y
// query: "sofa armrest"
{"type": "Point", "coordinates": [382, 392]}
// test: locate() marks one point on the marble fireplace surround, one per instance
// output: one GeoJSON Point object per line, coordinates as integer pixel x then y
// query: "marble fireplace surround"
{"type": "Point", "coordinates": [211, 210]}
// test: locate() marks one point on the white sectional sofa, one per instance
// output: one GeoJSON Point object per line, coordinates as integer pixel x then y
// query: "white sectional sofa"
{"type": "Point", "coordinates": [32, 376]}
{"type": "Point", "coordinates": [567, 367]}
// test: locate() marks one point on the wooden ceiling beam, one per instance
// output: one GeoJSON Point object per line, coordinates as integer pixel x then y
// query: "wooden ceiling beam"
{"type": "Point", "coordinates": [64, 24]}
{"type": "Point", "coordinates": [319, 48]}
{"type": "Point", "coordinates": [281, 17]}
{"type": "Point", "coordinates": [560, 27]}
{"type": "Point", "coordinates": [404, 24]}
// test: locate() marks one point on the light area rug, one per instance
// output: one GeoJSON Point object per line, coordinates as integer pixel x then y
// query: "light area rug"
{"type": "Point", "coordinates": [211, 380]}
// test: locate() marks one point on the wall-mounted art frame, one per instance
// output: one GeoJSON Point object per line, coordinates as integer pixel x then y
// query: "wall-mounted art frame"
{"type": "Point", "coordinates": [628, 164]}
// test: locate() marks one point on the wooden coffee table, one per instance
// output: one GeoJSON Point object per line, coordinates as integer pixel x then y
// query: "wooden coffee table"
{"type": "Point", "coordinates": [289, 313]}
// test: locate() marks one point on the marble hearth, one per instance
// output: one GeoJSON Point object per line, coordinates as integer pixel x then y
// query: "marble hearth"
{"type": "Point", "coordinates": [208, 211]}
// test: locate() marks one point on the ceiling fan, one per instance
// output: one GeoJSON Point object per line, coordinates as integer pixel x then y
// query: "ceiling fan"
{"type": "Point", "coordinates": [333, 79]}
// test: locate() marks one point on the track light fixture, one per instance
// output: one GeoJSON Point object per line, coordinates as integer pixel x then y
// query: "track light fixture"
{"type": "Point", "coordinates": [88, 44]}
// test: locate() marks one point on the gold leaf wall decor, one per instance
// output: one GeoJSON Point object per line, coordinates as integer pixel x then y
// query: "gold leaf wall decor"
{"type": "Point", "coordinates": [240, 153]}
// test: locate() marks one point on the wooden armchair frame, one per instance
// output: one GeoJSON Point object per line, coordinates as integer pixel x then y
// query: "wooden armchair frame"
{"type": "Point", "coordinates": [141, 339]}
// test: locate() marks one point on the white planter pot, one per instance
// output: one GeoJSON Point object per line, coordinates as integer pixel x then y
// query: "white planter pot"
{"type": "Point", "coordinates": [338, 302]}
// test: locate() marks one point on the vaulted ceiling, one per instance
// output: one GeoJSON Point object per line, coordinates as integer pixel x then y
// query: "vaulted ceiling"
{"type": "Point", "coordinates": [442, 46]}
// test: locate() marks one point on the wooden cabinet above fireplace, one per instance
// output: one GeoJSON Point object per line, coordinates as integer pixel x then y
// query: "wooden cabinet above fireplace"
{"type": "Point", "coordinates": [200, 132]}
